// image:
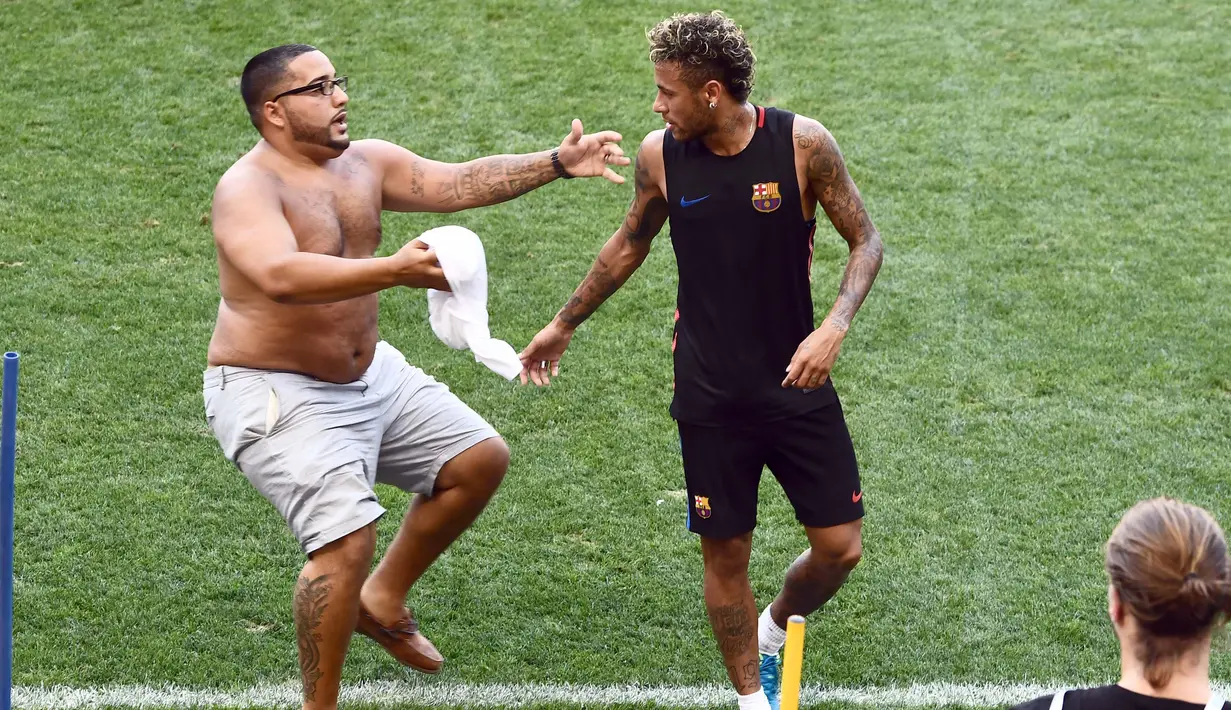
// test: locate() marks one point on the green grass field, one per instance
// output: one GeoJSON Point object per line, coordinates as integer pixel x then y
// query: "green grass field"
{"type": "Point", "coordinates": [1048, 342]}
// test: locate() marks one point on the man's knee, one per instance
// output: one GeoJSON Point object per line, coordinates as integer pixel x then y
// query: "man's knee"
{"type": "Point", "coordinates": [351, 554]}
{"type": "Point", "coordinates": [727, 558]}
{"type": "Point", "coordinates": [842, 551]}
{"type": "Point", "coordinates": [480, 468]}
{"type": "Point", "coordinates": [491, 463]}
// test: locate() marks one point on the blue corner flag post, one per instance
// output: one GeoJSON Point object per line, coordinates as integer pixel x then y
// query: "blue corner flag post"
{"type": "Point", "coordinates": [8, 465]}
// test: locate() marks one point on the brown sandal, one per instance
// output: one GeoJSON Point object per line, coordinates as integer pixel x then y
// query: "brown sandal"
{"type": "Point", "coordinates": [402, 640]}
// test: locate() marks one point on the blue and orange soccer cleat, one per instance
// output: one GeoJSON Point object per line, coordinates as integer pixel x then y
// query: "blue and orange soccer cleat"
{"type": "Point", "coordinates": [771, 679]}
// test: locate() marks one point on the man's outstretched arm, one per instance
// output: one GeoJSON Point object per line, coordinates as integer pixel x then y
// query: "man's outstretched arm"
{"type": "Point", "coordinates": [617, 260]}
{"type": "Point", "coordinates": [411, 183]}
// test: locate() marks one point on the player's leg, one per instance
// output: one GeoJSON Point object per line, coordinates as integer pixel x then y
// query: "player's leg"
{"type": "Point", "coordinates": [731, 607]}
{"type": "Point", "coordinates": [308, 447]}
{"type": "Point", "coordinates": [722, 467]}
{"type": "Point", "coordinates": [326, 606]}
{"type": "Point", "coordinates": [438, 448]}
{"type": "Point", "coordinates": [817, 574]}
{"type": "Point", "coordinates": [814, 459]}
{"type": "Point", "coordinates": [461, 491]}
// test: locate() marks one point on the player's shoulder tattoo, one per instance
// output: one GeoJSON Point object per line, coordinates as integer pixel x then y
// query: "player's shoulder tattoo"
{"type": "Point", "coordinates": [822, 157]}
{"type": "Point", "coordinates": [809, 134]}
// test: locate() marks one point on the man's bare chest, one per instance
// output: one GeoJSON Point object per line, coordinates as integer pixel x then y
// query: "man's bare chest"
{"type": "Point", "coordinates": [335, 214]}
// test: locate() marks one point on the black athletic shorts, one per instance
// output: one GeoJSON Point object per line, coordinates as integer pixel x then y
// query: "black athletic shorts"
{"type": "Point", "coordinates": [810, 454]}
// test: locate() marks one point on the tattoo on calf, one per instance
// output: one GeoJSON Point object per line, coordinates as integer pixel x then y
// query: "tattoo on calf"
{"type": "Point", "coordinates": [733, 627]}
{"type": "Point", "coordinates": [310, 605]}
{"type": "Point", "coordinates": [746, 677]}
{"type": "Point", "coordinates": [752, 674]}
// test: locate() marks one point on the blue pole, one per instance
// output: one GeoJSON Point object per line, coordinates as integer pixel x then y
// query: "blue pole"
{"type": "Point", "coordinates": [8, 465]}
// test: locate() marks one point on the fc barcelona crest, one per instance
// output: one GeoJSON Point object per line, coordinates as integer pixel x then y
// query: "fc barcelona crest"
{"type": "Point", "coordinates": [702, 504]}
{"type": "Point", "coordinates": [765, 196]}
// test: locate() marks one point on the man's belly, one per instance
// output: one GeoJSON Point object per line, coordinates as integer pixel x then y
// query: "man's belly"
{"type": "Point", "coordinates": [334, 342]}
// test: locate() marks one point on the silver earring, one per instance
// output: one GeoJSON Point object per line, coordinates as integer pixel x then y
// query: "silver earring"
{"type": "Point", "coordinates": [713, 106]}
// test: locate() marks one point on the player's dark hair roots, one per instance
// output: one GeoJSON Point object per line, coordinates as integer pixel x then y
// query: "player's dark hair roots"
{"type": "Point", "coordinates": [707, 47]}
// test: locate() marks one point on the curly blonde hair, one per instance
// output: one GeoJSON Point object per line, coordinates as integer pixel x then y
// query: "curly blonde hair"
{"type": "Point", "coordinates": [707, 46]}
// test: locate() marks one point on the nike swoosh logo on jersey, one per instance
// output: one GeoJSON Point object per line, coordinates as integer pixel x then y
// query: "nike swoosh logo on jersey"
{"type": "Point", "coordinates": [689, 203]}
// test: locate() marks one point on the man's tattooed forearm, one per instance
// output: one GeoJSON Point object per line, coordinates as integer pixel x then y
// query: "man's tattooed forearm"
{"type": "Point", "coordinates": [491, 180]}
{"type": "Point", "coordinates": [640, 225]}
{"type": "Point", "coordinates": [310, 596]}
{"type": "Point", "coordinates": [861, 269]}
{"type": "Point", "coordinates": [838, 196]}
{"type": "Point", "coordinates": [597, 287]}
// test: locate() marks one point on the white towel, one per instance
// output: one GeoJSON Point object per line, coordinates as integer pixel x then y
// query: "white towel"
{"type": "Point", "coordinates": [459, 318]}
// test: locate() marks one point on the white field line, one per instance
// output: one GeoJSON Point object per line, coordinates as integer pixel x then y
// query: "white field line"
{"type": "Point", "coordinates": [429, 694]}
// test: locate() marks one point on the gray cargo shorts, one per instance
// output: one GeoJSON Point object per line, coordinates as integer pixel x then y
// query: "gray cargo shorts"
{"type": "Point", "coordinates": [315, 449]}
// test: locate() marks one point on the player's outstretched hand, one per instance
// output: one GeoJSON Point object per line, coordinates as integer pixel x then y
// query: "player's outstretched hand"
{"type": "Point", "coordinates": [815, 357]}
{"type": "Point", "coordinates": [542, 355]}
{"type": "Point", "coordinates": [592, 155]}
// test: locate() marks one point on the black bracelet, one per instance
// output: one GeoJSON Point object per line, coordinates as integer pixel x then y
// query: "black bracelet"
{"type": "Point", "coordinates": [555, 163]}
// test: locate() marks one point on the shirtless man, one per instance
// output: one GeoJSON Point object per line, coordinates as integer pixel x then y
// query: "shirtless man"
{"type": "Point", "coordinates": [300, 391]}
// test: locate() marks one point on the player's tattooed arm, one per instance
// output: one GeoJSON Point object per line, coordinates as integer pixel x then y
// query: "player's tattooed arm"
{"type": "Point", "coordinates": [836, 193]}
{"type": "Point", "coordinates": [628, 247]}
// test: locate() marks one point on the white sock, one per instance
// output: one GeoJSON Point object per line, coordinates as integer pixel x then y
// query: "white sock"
{"type": "Point", "coordinates": [769, 637]}
{"type": "Point", "coordinates": [754, 701]}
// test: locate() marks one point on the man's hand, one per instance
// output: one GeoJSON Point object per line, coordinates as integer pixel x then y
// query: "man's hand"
{"type": "Point", "coordinates": [815, 357]}
{"type": "Point", "coordinates": [418, 268]}
{"type": "Point", "coordinates": [591, 155]}
{"type": "Point", "coordinates": [544, 352]}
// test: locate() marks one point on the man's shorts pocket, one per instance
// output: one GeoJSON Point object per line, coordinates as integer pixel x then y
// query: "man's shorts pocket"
{"type": "Point", "coordinates": [242, 413]}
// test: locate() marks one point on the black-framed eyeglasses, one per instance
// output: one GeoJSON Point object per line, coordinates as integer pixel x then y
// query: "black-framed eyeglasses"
{"type": "Point", "coordinates": [325, 87]}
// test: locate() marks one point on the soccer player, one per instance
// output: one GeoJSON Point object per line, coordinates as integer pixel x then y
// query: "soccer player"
{"type": "Point", "coordinates": [740, 184]}
{"type": "Point", "coordinates": [300, 391]}
{"type": "Point", "coordinates": [1169, 588]}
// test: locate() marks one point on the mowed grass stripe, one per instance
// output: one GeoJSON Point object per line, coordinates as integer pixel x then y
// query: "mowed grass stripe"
{"type": "Point", "coordinates": [395, 694]}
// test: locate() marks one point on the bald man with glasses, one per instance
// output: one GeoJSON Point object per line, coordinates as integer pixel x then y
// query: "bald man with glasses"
{"type": "Point", "coordinates": [302, 394]}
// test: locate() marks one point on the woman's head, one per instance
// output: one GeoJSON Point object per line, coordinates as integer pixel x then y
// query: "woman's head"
{"type": "Point", "coordinates": [1168, 568]}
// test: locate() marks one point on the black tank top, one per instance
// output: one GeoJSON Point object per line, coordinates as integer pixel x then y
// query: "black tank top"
{"type": "Point", "coordinates": [744, 252]}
